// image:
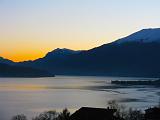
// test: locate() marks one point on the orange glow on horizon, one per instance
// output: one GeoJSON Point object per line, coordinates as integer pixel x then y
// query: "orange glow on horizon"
{"type": "Point", "coordinates": [23, 57]}
{"type": "Point", "coordinates": [24, 51]}
{"type": "Point", "coordinates": [29, 30]}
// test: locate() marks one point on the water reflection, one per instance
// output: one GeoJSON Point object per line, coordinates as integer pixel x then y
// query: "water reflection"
{"type": "Point", "coordinates": [33, 95]}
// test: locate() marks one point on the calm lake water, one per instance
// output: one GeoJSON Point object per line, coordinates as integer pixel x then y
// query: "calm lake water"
{"type": "Point", "coordinates": [31, 96]}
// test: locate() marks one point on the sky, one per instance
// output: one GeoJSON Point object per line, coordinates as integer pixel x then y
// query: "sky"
{"type": "Point", "coordinates": [31, 28]}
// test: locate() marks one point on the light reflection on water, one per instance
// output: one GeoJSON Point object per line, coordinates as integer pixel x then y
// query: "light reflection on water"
{"type": "Point", "coordinates": [33, 95]}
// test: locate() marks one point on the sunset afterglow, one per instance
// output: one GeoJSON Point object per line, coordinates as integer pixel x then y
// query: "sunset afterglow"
{"type": "Point", "coordinates": [31, 28]}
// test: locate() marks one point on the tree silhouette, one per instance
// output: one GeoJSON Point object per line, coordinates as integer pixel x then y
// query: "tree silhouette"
{"type": "Point", "coordinates": [64, 115]}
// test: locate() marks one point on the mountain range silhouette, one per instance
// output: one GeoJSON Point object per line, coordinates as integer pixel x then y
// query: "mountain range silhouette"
{"type": "Point", "coordinates": [136, 55]}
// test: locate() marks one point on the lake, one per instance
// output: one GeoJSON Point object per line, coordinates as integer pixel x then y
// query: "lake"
{"type": "Point", "coordinates": [30, 96]}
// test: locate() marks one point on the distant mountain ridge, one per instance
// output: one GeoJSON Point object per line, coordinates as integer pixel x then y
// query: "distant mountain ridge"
{"type": "Point", "coordinates": [19, 71]}
{"type": "Point", "coordinates": [64, 52]}
{"type": "Point", "coordinates": [136, 55]}
{"type": "Point", "coordinates": [9, 68]}
{"type": "Point", "coordinates": [5, 61]}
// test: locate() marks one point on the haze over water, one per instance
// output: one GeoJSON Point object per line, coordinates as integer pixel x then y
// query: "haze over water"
{"type": "Point", "coordinates": [31, 96]}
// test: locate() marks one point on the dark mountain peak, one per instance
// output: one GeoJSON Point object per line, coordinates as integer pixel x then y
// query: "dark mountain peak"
{"type": "Point", "coordinates": [61, 52]}
{"type": "Point", "coordinates": [150, 29]}
{"type": "Point", "coordinates": [143, 36]}
{"type": "Point", "coordinates": [65, 50]}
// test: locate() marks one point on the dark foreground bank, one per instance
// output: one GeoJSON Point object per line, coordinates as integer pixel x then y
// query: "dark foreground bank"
{"type": "Point", "coordinates": [112, 112]}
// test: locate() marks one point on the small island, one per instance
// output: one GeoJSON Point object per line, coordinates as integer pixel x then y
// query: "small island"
{"type": "Point", "coordinates": [136, 82]}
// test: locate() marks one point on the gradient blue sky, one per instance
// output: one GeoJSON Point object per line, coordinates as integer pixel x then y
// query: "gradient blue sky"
{"type": "Point", "coordinates": [31, 28]}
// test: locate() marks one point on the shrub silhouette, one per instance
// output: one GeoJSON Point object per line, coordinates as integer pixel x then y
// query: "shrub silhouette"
{"type": "Point", "coordinates": [53, 115]}
{"type": "Point", "coordinates": [134, 115]}
{"type": "Point", "coordinates": [19, 117]}
{"type": "Point", "coordinates": [49, 115]}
